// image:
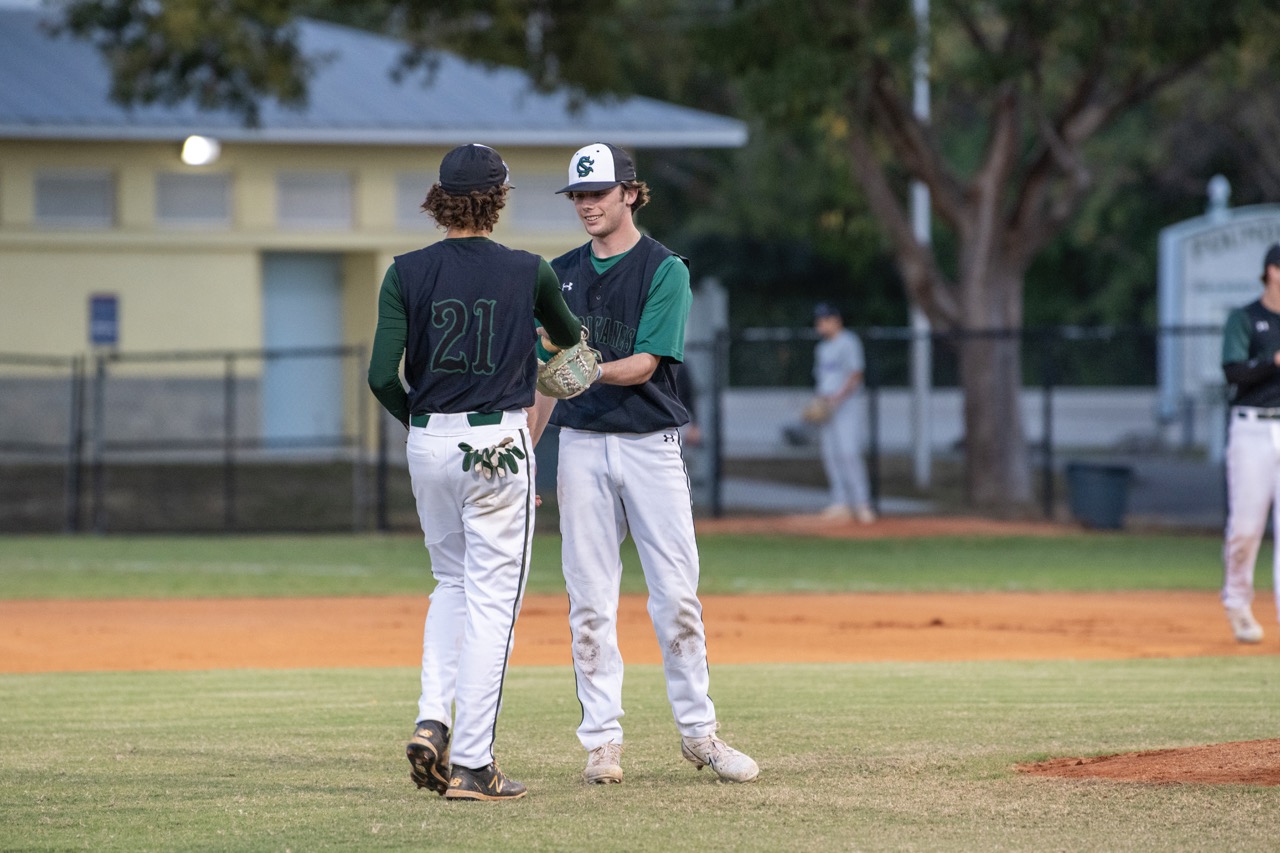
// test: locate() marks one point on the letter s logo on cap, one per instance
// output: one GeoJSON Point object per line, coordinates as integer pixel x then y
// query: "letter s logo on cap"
{"type": "Point", "coordinates": [585, 166]}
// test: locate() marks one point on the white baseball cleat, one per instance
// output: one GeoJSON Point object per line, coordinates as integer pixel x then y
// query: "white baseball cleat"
{"type": "Point", "coordinates": [604, 764]}
{"type": "Point", "coordinates": [728, 763]}
{"type": "Point", "coordinates": [1245, 627]}
{"type": "Point", "coordinates": [837, 512]}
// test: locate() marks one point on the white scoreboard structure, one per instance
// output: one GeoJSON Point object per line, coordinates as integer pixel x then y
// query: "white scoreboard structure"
{"type": "Point", "coordinates": [1207, 266]}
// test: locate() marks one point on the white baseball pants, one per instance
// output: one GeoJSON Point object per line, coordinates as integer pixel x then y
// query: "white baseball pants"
{"type": "Point", "coordinates": [479, 534]}
{"type": "Point", "coordinates": [1253, 489]}
{"type": "Point", "coordinates": [841, 439]}
{"type": "Point", "coordinates": [609, 484]}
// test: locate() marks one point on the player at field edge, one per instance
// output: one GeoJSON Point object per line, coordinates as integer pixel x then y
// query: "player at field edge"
{"type": "Point", "coordinates": [462, 313]}
{"type": "Point", "coordinates": [1251, 365]}
{"type": "Point", "coordinates": [621, 470]}
{"type": "Point", "coordinates": [838, 370]}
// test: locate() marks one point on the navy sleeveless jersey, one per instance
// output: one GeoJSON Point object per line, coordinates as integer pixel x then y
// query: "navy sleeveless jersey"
{"type": "Point", "coordinates": [1264, 339]}
{"type": "Point", "coordinates": [469, 307]}
{"type": "Point", "coordinates": [610, 305]}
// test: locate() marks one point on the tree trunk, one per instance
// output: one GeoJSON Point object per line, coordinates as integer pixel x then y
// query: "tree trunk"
{"type": "Point", "coordinates": [997, 468]}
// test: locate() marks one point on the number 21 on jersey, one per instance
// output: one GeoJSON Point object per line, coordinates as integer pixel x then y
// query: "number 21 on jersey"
{"type": "Point", "coordinates": [464, 346]}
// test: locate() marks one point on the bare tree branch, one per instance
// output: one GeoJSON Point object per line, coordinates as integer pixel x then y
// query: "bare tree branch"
{"type": "Point", "coordinates": [963, 12]}
{"type": "Point", "coordinates": [983, 227]}
{"type": "Point", "coordinates": [913, 145]}
{"type": "Point", "coordinates": [925, 284]}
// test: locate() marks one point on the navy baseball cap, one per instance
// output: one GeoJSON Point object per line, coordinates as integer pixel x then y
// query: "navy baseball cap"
{"type": "Point", "coordinates": [472, 167]}
{"type": "Point", "coordinates": [825, 309]}
{"type": "Point", "coordinates": [1272, 258]}
{"type": "Point", "coordinates": [599, 166]}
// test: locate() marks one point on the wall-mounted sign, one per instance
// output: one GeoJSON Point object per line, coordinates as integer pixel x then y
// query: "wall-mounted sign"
{"type": "Point", "coordinates": [104, 319]}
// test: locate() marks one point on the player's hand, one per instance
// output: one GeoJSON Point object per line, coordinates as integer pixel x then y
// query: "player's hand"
{"type": "Point", "coordinates": [546, 341]}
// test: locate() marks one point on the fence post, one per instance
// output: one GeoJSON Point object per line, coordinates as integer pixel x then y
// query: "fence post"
{"type": "Point", "coordinates": [380, 499]}
{"type": "Point", "coordinates": [359, 474]}
{"type": "Point", "coordinates": [1047, 379]}
{"type": "Point", "coordinates": [872, 382]}
{"type": "Point", "coordinates": [75, 447]}
{"type": "Point", "coordinates": [719, 380]}
{"type": "Point", "coordinates": [229, 442]}
{"type": "Point", "coordinates": [98, 513]}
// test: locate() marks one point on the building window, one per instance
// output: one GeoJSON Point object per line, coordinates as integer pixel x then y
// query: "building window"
{"type": "Point", "coordinates": [534, 204]}
{"type": "Point", "coordinates": [184, 199]}
{"type": "Point", "coordinates": [78, 197]}
{"type": "Point", "coordinates": [411, 191]}
{"type": "Point", "coordinates": [313, 200]}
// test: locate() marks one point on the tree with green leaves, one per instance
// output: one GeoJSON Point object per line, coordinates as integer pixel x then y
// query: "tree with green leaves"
{"type": "Point", "coordinates": [1020, 92]}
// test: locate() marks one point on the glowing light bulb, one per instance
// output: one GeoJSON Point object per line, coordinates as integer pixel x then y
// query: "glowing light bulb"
{"type": "Point", "coordinates": [200, 150]}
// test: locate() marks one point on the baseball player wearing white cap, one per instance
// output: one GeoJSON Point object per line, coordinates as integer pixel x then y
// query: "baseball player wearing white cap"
{"type": "Point", "coordinates": [620, 469]}
{"type": "Point", "coordinates": [462, 312]}
{"type": "Point", "coordinates": [1251, 364]}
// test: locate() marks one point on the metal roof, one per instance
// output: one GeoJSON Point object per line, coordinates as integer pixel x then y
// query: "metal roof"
{"type": "Point", "coordinates": [58, 87]}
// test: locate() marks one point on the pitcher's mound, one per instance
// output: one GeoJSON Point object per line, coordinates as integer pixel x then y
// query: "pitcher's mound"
{"type": "Point", "coordinates": [1252, 762]}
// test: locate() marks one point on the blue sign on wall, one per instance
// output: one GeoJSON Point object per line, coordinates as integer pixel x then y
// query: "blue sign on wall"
{"type": "Point", "coordinates": [104, 319]}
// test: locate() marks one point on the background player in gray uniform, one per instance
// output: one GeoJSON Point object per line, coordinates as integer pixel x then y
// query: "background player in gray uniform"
{"type": "Point", "coordinates": [838, 368]}
{"type": "Point", "coordinates": [1251, 364]}
{"type": "Point", "coordinates": [620, 469]}
{"type": "Point", "coordinates": [462, 313]}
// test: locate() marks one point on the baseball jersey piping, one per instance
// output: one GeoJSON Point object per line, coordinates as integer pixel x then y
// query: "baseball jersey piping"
{"type": "Point", "coordinates": [530, 498]}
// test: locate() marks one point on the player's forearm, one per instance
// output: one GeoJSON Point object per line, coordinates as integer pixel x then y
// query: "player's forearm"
{"type": "Point", "coordinates": [1246, 374]}
{"type": "Point", "coordinates": [390, 393]}
{"type": "Point", "coordinates": [539, 415]}
{"type": "Point", "coordinates": [850, 385]}
{"type": "Point", "coordinates": [633, 370]}
{"type": "Point", "coordinates": [560, 324]}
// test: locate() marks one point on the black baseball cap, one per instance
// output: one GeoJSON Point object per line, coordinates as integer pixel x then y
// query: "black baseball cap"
{"type": "Point", "coordinates": [472, 167]}
{"type": "Point", "coordinates": [599, 166]}
{"type": "Point", "coordinates": [1272, 259]}
{"type": "Point", "coordinates": [825, 309]}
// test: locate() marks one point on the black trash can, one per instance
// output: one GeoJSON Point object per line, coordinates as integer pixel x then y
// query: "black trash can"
{"type": "Point", "coordinates": [1099, 493]}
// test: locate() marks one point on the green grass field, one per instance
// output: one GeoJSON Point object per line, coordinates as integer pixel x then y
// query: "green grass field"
{"type": "Point", "coordinates": [853, 756]}
{"type": "Point", "coordinates": [158, 567]}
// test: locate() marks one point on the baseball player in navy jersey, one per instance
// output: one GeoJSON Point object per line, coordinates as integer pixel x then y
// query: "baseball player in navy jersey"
{"type": "Point", "coordinates": [620, 469]}
{"type": "Point", "coordinates": [462, 312]}
{"type": "Point", "coordinates": [1251, 364]}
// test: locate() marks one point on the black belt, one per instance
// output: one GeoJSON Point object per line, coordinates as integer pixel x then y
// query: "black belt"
{"type": "Point", "coordinates": [1246, 412]}
{"type": "Point", "coordinates": [473, 418]}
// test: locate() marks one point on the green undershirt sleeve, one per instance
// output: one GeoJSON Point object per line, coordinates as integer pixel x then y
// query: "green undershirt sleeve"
{"type": "Point", "coordinates": [388, 348]}
{"type": "Point", "coordinates": [1235, 337]}
{"type": "Point", "coordinates": [666, 312]}
{"type": "Point", "coordinates": [549, 309]}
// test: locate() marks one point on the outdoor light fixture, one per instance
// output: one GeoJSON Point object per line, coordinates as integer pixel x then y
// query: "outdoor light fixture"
{"type": "Point", "coordinates": [200, 150]}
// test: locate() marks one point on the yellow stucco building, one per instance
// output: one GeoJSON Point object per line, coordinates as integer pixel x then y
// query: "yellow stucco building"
{"type": "Point", "coordinates": [110, 241]}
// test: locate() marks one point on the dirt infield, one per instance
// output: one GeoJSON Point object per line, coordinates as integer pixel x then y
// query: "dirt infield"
{"type": "Point", "coordinates": [67, 636]}
{"type": "Point", "coordinates": [78, 636]}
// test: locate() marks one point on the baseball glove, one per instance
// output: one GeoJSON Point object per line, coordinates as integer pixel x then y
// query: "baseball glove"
{"type": "Point", "coordinates": [570, 371]}
{"type": "Point", "coordinates": [817, 411]}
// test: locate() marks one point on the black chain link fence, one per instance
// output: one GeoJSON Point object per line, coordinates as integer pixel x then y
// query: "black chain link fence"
{"type": "Point", "coordinates": [199, 442]}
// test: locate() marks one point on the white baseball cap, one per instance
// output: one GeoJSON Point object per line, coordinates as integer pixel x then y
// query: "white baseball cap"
{"type": "Point", "coordinates": [599, 166]}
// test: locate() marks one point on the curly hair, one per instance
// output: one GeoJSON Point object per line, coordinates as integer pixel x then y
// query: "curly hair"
{"type": "Point", "coordinates": [475, 211]}
{"type": "Point", "coordinates": [641, 188]}
{"type": "Point", "coordinates": [642, 193]}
